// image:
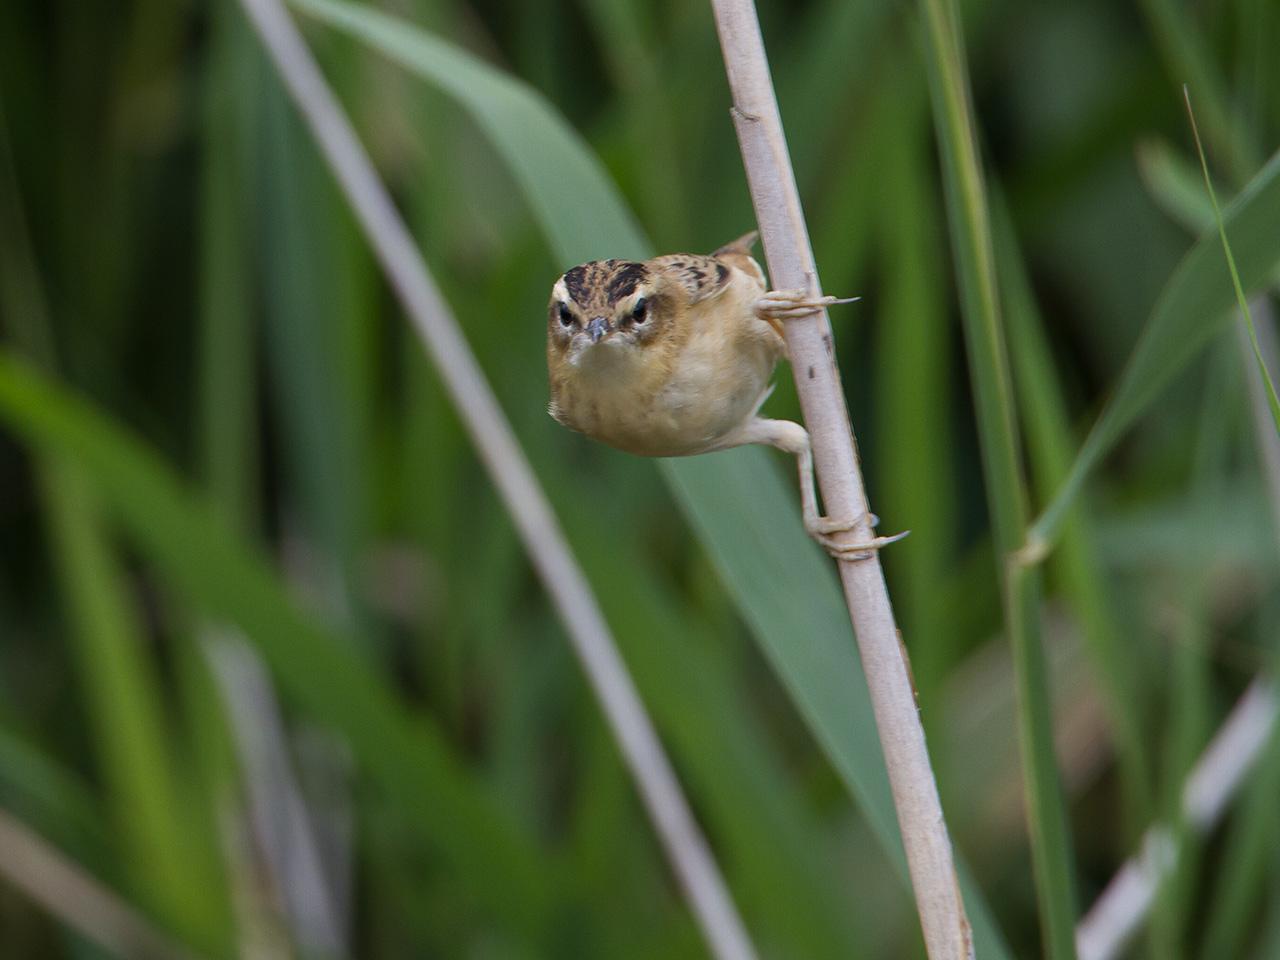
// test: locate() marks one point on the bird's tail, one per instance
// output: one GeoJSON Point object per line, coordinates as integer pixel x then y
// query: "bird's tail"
{"type": "Point", "coordinates": [742, 245]}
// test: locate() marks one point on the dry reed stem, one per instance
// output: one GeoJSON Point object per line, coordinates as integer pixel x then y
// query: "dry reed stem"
{"type": "Point", "coordinates": [1118, 913]}
{"type": "Point", "coordinates": [682, 839]}
{"type": "Point", "coordinates": [282, 826]}
{"type": "Point", "coordinates": [791, 266]}
{"type": "Point", "coordinates": [77, 899]}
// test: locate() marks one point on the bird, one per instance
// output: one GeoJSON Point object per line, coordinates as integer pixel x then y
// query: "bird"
{"type": "Point", "coordinates": [673, 357]}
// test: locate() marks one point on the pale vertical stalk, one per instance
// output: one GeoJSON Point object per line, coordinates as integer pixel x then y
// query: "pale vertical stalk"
{"type": "Point", "coordinates": [1123, 906]}
{"type": "Point", "coordinates": [278, 815]}
{"type": "Point", "coordinates": [682, 839]}
{"type": "Point", "coordinates": [809, 344]}
{"type": "Point", "coordinates": [75, 898]}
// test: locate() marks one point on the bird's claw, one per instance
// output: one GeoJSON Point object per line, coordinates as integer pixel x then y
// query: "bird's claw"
{"type": "Point", "coordinates": [794, 304]}
{"type": "Point", "coordinates": [821, 528]}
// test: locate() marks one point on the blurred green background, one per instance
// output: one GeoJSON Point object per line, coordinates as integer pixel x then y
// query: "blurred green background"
{"type": "Point", "coordinates": [252, 567]}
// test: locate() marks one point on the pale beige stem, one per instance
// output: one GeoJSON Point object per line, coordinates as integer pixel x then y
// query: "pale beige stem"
{"type": "Point", "coordinates": [64, 889]}
{"type": "Point", "coordinates": [685, 846]}
{"type": "Point", "coordinates": [281, 822]}
{"type": "Point", "coordinates": [809, 344]}
{"type": "Point", "coordinates": [1122, 908]}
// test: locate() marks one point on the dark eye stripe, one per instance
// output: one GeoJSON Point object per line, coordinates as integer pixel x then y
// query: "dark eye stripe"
{"type": "Point", "coordinates": [566, 315]}
{"type": "Point", "coordinates": [640, 311]}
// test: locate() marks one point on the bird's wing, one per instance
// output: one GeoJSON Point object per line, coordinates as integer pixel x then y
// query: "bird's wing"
{"type": "Point", "coordinates": [702, 277]}
{"type": "Point", "coordinates": [738, 254]}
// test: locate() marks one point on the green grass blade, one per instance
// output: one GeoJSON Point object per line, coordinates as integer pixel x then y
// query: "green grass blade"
{"type": "Point", "coordinates": [822, 73]}
{"type": "Point", "coordinates": [786, 591]}
{"type": "Point", "coordinates": [1191, 309]}
{"type": "Point", "coordinates": [124, 708]}
{"type": "Point", "coordinates": [556, 168]}
{"type": "Point", "coordinates": [38, 790]}
{"type": "Point", "coordinates": [687, 682]}
{"type": "Point", "coordinates": [971, 241]}
{"type": "Point", "coordinates": [183, 538]}
{"type": "Point", "coordinates": [318, 350]}
{"type": "Point", "coordinates": [168, 860]}
{"type": "Point", "coordinates": [1272, 401]}
{"type": "Point", "coordinates": [1076, 562]}
{"type": "Point", "coordinates": [913, 383]}
{"type": "Point", "coordinates": [583, 217]}
{"type": "Point", "coordinates": [1182, 44]}
{"type": "Point", "coordinates": [1174, 184]}
{"type": "Point", "coordinates": [227, 380]}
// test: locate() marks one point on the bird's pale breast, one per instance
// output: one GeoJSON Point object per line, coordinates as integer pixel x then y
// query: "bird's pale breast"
{"type": "Point", "coordinates": [710, 384]}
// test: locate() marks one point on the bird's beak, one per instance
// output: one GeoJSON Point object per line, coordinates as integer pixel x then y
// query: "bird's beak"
{"type": "Point", "coordinates": [597, 328]}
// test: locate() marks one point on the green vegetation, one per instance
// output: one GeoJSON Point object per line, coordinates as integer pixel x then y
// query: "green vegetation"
{"type": "Point", "coordinates": [214, 419]}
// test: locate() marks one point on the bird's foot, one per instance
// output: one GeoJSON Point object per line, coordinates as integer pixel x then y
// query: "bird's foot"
{"type": "Point", "coordinates": [821, 529]}
{"type": "Point", "coordinates": [793, 304]}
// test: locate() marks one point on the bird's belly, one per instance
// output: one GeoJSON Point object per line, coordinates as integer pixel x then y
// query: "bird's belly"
{"type": "Point", "coordinates": [704, 398]}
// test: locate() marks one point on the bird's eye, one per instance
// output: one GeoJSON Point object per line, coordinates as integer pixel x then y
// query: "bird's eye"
{"type": "Point", "coordinates": [566, 315]}
{"type": "Point", "coordinates": [640, 311]}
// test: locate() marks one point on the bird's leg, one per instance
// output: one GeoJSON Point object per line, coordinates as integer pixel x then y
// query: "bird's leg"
{"type": "Point", "coordinates": [792, 438]}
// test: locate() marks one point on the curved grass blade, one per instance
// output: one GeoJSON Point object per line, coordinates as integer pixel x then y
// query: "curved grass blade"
{"type": "Point", "coordinates": [784, 593]}
{"type": "Point", "coordinates": [558, 174]}
{"type": "Point", "coordinates": [1192, 307]}
{"type": "Point", "coordinates": [125, 708]}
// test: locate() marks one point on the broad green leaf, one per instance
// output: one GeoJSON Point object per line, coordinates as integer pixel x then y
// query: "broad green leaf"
{"type": "Point", "coordinates": [562, 180]}
{"type": "Point", "coordinates": [786, 591]}
{"type": "Point", "coordinates": [791, 597]}
{"type": "Point", "coordinates": [184, 539]}
{"type": "Point", "coordinates": [124, 706]}
{"type": "Point", "coordinates": [688, 684]}
{"type": "Point", "coordinates": [1193, 307]}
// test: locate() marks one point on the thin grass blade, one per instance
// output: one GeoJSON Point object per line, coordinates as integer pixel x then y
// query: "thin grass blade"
{"type": "Point", "coordinates": [1241, 301]}
{"type": "Point", "coordinates": [1191, 309]}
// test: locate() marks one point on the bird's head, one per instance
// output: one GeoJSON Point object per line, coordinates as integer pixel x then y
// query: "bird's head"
{"type": "Point", "coordinates": [604, 315]}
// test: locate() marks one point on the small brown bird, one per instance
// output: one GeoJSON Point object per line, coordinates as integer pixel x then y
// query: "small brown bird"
{"type": "Point", "coordinates": [673, 356]}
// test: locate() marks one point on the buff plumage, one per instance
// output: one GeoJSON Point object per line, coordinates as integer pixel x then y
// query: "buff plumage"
{"type": "Point", "coordinates": [673, 357]}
